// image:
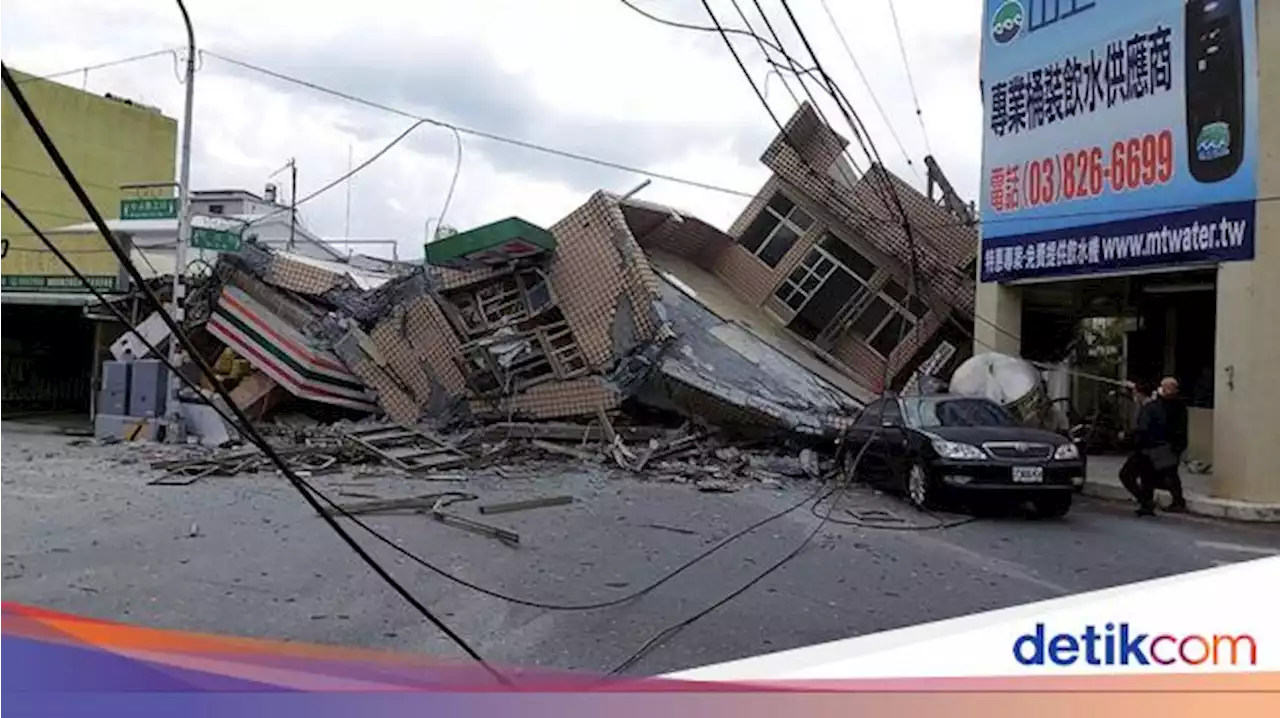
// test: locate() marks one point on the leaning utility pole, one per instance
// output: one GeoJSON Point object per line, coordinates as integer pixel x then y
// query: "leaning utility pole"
{"type": "Point", "coordinates": [292, 166]}
{"type": "Point", "coordinates": [293, 200]}
{"type": "Point", "coordinates": [184, 228]}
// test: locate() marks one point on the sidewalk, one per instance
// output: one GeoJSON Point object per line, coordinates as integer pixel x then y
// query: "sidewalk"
{"type": "Point", "coordinates": [1103, 481]}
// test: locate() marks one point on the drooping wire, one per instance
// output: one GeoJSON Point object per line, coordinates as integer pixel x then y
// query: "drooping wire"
{"type": "Point", "coordinates": [702, 28]}
{"type": "Point", "coordinates": [805, 86]}
{"type": "Point", "coordinates": [857, 66]}
{"type": "Point", "coordinates": [480, 133]}
{"type": "Point", "coordinates": [765, 52]}
{"type": "Point", "coordinates": [453, 183]}
{"type": "Point", "coordinates": [193, 353]}
{"type": "Point", "coordinates": [911, 82]}
{"type": "Point", "coordinates": [342, 178]}
{"type": "Point", "coordinates": [100, 65]}
{"type": "Point", "coordinates": [839, 490]}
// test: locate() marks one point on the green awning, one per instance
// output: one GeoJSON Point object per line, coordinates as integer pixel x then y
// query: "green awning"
{"type": "Point", "coordinates": [493, 244]}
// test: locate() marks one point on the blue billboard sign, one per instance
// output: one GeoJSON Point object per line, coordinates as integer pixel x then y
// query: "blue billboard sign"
{"type": "Point", "coordinates": [1118, 134]}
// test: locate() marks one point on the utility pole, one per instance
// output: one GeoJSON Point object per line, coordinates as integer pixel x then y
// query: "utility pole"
{"type": "Point", "coordinates": [292, 166]}
{"type": "Point", "coordinates": [175, 432]}
{"type": "Point", "coordinates": [293, 200]}
{"type": "Point", "coordinates": [346, 227]}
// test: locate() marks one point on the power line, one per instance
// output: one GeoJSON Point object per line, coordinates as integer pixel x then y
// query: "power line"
{"type": "Point", "coordinates": [98, 66]}
{"type": "Point", "coordinates": [911, 83]}
{"type": "Point", "coordinates": [703, 28]}
{"type": "Point", "coordinates": [803, 85]}
{"type": "Point", "coordinates": [883, 176]}
{"type": "Point", "coordinates": [694, 183]}
{"type": "Point", "coordinates": [342, 178]}
{"type": "Point", "coordinates": [453, 183]}
{"type": "Point", "coordinates": [884, 116]}
{"type": "Point", "coordinates": [832, 89]}
{"type": "Point", "coordinates": [480, 133]}
{"type": "Point", "coordinates": [763, 51]}
{"type": "Point", "coordinates": [670, 631]}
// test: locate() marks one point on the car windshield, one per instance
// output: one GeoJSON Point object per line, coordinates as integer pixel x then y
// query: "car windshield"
{"type": "Point", "coordinates": [961, 412]}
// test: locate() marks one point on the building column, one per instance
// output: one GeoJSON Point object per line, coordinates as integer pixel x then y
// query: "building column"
{"type": "Point", "coordinates": [999, 305]}
{"type": "Point", "coordinates": [1247, 347]}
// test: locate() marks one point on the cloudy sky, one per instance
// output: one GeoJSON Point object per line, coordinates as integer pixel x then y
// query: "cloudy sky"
{"type": "Point", "coordinates": [590, 77]}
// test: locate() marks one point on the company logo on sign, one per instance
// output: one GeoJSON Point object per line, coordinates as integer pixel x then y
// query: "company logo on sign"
{"type": "Point", "coordinates": [1006, 24]}
{"type": "Point", "coordinates": [1214, 141]}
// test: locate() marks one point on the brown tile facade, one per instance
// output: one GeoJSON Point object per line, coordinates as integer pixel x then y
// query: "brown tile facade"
{"type": "Point", "coordinates": [597, 270]}
{"type": "Point", "coordinates": [865, 217]}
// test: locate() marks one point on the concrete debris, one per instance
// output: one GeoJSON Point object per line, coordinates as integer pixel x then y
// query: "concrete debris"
{"type": "Point", "coordinates": [525, 505]}
{"type": "Point", "coordinates": [510, 348]}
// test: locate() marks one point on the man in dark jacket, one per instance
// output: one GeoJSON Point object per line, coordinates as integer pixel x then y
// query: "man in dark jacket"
{"type": "Point", "coordinates": [1161, 435]}
{"type": "Point", "coordinates": [1135, 474]}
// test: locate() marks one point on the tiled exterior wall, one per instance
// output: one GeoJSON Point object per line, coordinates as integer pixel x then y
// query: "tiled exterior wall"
{"type": "Point", "coordinates": [641, 284]}
{"type": "Point", "coordinates": [436, 343]}
{"type": "Point", "coordinates": [861, 360]}
{"type": "Point", "coordinates": [590, 273]}
{"type": "Point", "coordinates": [867, 218]}
{"type": "Point", "coordinates": [576, 397]}
{"type": "Point", "coordinates": [399, 404]}
{"type": "Point", "coordinates": [597, 263]}
{"type": "Point", "coordinates": [301, 277]}
{"type": "Point", "coordinates": [691, 239]}
{"type": "Point", "coordinates": [913, 342]}
{"type": "Point", "coordinates": [743, 271]}
{"type": "Point", "coordinates": [943, 245]}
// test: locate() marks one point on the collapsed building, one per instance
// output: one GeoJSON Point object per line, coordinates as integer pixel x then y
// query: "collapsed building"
{"type": "Point", "coordinates": [786, 323]}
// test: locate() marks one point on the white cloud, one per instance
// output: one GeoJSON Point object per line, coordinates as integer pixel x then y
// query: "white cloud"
{"type": "Point", "coordinates": [590, 76]}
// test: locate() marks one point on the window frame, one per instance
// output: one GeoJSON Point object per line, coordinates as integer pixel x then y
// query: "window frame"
{"type": "Point", "coordinates": [798, 288]}
{"type": "Point", "coordinates": [783, 220]}
{"type": "Point", "coordinates": [895, 308]}
{"type": "Point", "coordinates": [837, 263]}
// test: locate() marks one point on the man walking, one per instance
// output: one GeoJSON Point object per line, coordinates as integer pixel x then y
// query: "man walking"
{"type": "Point", "coordinates": [1161, 437]}
{"type": "Point", "coordinates": [1136, 474]}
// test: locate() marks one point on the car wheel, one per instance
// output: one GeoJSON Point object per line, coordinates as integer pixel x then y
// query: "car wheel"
{"type": "Point", "coordinates": [1053, 506]}
{"type": "Point", "coordinates": [920, 490]}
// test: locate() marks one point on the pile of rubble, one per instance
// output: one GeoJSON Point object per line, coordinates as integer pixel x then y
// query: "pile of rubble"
{"type": "Point", "coordinates": [509, 450]}
{"type": "Point", "coordinates": [511, 340]}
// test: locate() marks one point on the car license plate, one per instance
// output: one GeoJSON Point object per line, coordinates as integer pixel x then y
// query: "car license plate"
{"type": "Point", "coordinates": [1028, 474]}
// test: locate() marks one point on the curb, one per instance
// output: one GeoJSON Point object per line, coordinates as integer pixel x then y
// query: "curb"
{"type": "Point", "coordinates": [1196, 504]}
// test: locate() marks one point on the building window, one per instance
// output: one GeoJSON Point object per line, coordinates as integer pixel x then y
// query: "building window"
{"type": "Point", "coordinates": [823, 284]}
{"type": "Point", "coordinates": [890, 317]}
{"type": "Point", "coordinates": [216, 209]}
{"type": "Point", "coordinates": [804, 280]}
{"type": "Point", "coordinates": [775, 230]}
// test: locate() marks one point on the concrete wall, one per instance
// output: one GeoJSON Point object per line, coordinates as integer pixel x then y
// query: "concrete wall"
{"type": "Point", "coordinates": [106, 142]}
{"type": "Point", "coordinates": [1246, 448]}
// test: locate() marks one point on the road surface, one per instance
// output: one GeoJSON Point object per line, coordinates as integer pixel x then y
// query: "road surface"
{"type": "Point", "coordinates": [83, 533]}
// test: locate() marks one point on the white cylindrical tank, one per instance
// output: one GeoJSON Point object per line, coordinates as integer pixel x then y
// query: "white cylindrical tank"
{"type": "Point", "coordinates": [1010, 381]}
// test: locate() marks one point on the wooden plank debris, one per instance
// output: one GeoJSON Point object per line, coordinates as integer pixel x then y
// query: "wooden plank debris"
{"type": "Point", "coordinates": [510, 506]}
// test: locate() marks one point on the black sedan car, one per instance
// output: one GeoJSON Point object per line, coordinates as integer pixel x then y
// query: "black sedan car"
{"type": "Point", "coordinates": [939, 448]}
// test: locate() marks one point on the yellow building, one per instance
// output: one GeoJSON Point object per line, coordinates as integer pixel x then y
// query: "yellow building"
{"type": "Point", "coordinates": [108, 141]}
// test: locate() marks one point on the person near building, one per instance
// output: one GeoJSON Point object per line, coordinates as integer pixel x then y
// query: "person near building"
{"type": "Point", "coordinates": [1136, 474]}
{"type": "Point", "coordinates": [1161, 436]}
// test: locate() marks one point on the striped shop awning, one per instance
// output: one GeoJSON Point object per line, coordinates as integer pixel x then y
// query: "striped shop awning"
{"type": "Point", "coordinates": [280, 351]}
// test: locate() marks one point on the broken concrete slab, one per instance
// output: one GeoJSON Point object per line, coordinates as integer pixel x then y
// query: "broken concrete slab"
{"type": "Point", "coordinates": [727, 375]}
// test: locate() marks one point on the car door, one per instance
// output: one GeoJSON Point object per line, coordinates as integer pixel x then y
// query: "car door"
{"type": "Point", "coordinates": [872, 466]}
{"type": "Point", "coordinates": [893, 446]}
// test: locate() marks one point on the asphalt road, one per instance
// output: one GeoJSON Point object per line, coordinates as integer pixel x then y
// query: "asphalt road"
{"type": "Point", "coordinates": [245, 556]}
